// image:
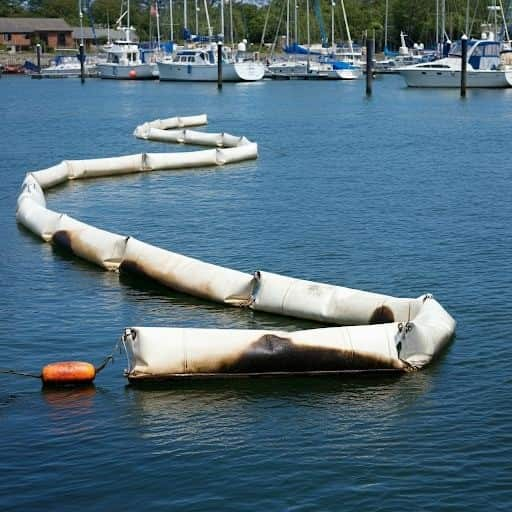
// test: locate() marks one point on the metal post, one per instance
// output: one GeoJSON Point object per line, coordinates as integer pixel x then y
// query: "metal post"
{"type": "Point", "coordinates": [219, 65]}
{"type": "Point", "coordinates": [463, 66]}
{"type": "Point", "coordinates": [38, 53]}
{"type": "Point", "coordinates": [369, 66]}
{"type": "Point", "coordinates": [82, 63]}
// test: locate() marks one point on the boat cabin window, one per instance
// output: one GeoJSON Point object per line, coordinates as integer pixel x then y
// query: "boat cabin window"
{"type": "Point", "coordinates": [434, 66]}
{"type": "Point", "coordinates": [491, 50]}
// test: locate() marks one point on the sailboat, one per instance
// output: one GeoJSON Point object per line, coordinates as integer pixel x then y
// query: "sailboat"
{"type": "Point", "coordinates": [324, 64]}
{"type": "Point", "coordinates": [405, 57]}
{"type": "Point", "coordinates": [199, 64]}
{"type": "Point", "coordinates": [124, 60]}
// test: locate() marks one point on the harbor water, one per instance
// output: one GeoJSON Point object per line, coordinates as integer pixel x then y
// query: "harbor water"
{"type": "Point", "coordinates": [404, 193]}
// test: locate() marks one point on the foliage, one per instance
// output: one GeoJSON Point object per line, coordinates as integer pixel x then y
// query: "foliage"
{"type": "Point", "coordinates": [417, 18]}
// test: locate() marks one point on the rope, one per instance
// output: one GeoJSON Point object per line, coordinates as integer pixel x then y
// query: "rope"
{"type": "Point", "coordinates": [22, 374]}
{"type": "Point", "coordinates": [109, 358]}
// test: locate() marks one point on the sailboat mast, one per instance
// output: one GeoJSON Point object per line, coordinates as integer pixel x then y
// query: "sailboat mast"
{"type": "Point", "coordinates": [108, 29]}
{"type": "Point", "coordinates": [467, 18]}
{"type": "Point", "coordinates": [171, 20]}
{"type": "Point", "coordinates": [210, 33]}
{"type": "Point", "coordinates": [437, 26]}
{"type": "Point", "coordinates": [307, 23]}
{"type": "Point", "coordinates": [332, 26]}
{"type": "Point", "coordinates": [185, 21]}
{"type": "Point", "coordinates": [80, 15]}
{"type": "Point", "coordinates": [295, 19]}
{"type": "Point", "coordinates": [346, 27]}
{"type": "Point", "coordinates": [287, 22]}
{"type": "Point", "coordinates": [443, 21]}
{"type": "Point", "coordinates": [128, 35]}
{"type": "Point", "coordinates": [222, 18]}
{"type": "Point", "coordinates": [495, 9]}
{"type": "Point", "coordinates": [157, 25]}
{"type": "Point", "coordinates": [386, 25]}
{"type": "Point", "coordinates": [507, 35]}
{"type": "Point", "coordinates": [197, 16]}
{"type": "Point", "coordinates": [231, 21]}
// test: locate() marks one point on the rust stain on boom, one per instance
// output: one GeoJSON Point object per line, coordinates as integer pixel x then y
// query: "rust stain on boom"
{"type": "Point", "coordinates": [169, 279]}
{"type": "Point", "coordinates": [382, 315]}
{"type": "Point", "coordinates": [272, 353]}
{"type": "Point", "coordinates": [63, 240]}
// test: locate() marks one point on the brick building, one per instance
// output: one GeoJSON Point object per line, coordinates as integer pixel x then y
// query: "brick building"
{"type": "Point", "coordinates": [24, 33]}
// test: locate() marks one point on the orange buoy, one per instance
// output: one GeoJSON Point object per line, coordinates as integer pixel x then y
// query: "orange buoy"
{"type": "Point", "coordinates": [132, 73]}
{"type": "Point", "coordinates": [68, 373]}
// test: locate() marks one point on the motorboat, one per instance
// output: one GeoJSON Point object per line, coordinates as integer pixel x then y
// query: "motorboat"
{"type": "Point", "coordinates": [200, 65]}
{"type": "Point", "coordinates": [124, 59]}
{"type": "Point", "coordinates": [124, 63]}
{"type": "Point", "coordinates": [67, 66]}
{"type": "Point", "coordinates": [484, 68]}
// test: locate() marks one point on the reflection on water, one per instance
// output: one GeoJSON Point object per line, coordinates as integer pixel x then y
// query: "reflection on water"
{"type": "Point", "coordinates": [70, 410]}
{"type": "Point", "coordinates": [205, 410]}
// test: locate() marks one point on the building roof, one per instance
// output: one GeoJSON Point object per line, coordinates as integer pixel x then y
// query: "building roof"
{"type": "Point", "coordinates": [15, 25]}
{"type": "Point", "coordinates": [100, 33]}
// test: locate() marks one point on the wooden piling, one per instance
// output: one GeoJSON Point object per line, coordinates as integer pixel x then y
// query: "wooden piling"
{"type": "Point", "coordinates": [38, 56]}
{"type": "Point", "coordinates": [219, 65]}
{"type": "Point", "coordinates": [82, 63]}
{"type": "Point", "coordinates": [463, 66]}
{"type": "Point", "coordinates": [369, 66]}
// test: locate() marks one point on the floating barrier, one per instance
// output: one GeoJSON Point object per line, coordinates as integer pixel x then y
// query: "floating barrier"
{"type": "Point", "coordinates": [379, 332]}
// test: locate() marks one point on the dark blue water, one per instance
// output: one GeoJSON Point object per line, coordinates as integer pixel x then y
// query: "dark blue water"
{"type": "Point", "coordinates": [404, 194]}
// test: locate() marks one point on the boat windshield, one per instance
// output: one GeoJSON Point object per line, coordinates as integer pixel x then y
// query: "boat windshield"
{"type": "Point", "coordinates": [477, 49]}
{"type": "Point", "coordinates": [456, 50]}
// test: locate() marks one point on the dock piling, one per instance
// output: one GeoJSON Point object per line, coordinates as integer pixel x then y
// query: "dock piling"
{"type": "Point", "coordinates": [463, 66]}
{"type": "Point", "coordinates": [38, 56]}
{"type": "Point", "coordinates": [219, 65]}
{"type": "Point", "coordinates": [82, 63]}
{"type": "Point", "coordinates": [369, 66]}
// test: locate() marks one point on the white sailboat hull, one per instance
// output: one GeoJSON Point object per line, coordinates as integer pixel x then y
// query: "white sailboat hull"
{"type": "Point", "coordinates": [231, 72]}
{"type": "Point", "coordinates": [311, 71]}
{"type": "Point", "coordinates": [349, 74]}
{"type": "Point", "coordinates": [128, 72]}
